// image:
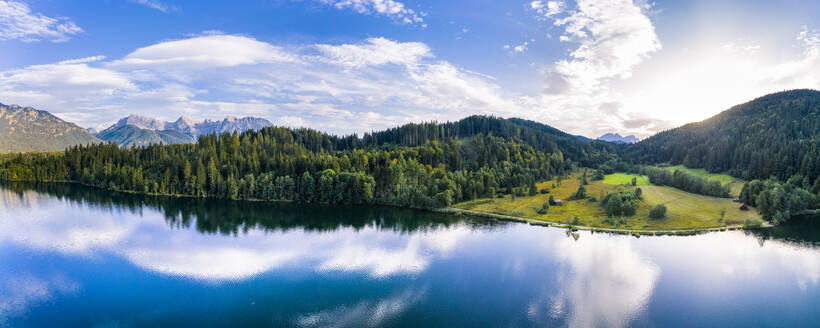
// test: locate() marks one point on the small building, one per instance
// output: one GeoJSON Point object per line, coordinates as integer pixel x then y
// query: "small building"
{"type": "Point", "coordinates": [559, 202]}
{"type": "Point", "coordinates": [743, 207]}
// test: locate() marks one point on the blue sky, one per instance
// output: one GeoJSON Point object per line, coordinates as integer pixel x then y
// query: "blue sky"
{"type": "Point", "coordinates": [343, 66]}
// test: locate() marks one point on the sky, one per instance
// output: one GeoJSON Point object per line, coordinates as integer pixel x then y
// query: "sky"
{"type": "Point", "coordinates": [587, 67]}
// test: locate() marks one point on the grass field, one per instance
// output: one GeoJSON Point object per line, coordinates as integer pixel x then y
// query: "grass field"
{"type": "Point", "coordinates": [734, 184]}
{"type": "Point", "coordinates": [625, 179]}
{"type": "Point", "coordinates": [685, 210]}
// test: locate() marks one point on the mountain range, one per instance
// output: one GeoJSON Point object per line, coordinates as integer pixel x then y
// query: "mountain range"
{"type": "Point", "coordinates": [618, 139]}
{"type": "Point", "coordinates": [136, 130]}
{"type": "Point", "coordinates": [25, 129]}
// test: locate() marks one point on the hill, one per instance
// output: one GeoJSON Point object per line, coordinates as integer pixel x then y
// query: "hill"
{"type": "Point", "coordinates": [24, 129]}
{"type": "Point", "coordinates": [774, 139]}
{"type": "Point", "coordinates": [774, 135]}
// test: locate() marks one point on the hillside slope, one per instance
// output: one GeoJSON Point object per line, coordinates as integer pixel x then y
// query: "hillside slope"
{"type": "Point", "coordinates": [774, 135]}
{"type": "Point", "coordinates": [25, 129]}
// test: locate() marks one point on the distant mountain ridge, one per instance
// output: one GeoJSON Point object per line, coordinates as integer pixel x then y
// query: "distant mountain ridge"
{"type": "Point", "coordinates": [140, 130]}
{"type": "Point", "coordinates": [25, 129]}
{"type": "Point", "coordinates": [617, 138]}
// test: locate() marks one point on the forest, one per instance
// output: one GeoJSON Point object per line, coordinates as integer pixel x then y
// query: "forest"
{"type": "Point", "coordinates": [427, 165]}
{"type": "Point", "coordinates": [772, 141]}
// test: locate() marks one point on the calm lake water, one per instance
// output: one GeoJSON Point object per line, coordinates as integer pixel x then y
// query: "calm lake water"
{"type": "Point", "coordinates": [77, 257]}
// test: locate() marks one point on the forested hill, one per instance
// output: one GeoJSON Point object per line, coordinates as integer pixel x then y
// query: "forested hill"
{"type": "Point", "coordinates": [417, 165]}
{"type": "Point", "coordinates": [773, 140]}
{"type": "Point", "coordinates": [537, 135]}
{"type": "Point", "coordinates": [774, 135]}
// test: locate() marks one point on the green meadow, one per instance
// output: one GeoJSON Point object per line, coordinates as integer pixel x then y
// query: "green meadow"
{"type": "Point", "coordinates": [684, 210]}
{"type": "Point", "coordinates": [625, 179]}
{"type": "Point", "coordinates": [735, 184]}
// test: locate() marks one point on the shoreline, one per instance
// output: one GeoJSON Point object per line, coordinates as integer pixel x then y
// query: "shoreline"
{"type": "Point", "coordinates": [634, 232]}
{"type": "Point", "coordinates": [458, 212]}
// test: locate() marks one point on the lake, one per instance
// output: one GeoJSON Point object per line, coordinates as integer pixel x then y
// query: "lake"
{"type": "Point", "coordinates": [78, 257]}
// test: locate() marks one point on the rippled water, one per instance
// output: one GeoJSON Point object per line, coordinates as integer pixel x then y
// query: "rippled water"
{"type": "Point", "coordinates": [72, 256]}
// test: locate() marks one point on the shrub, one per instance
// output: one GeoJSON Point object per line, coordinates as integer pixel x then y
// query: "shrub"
{"type": "Point", "coordinates": [545, 191]}
{"type": "Point", "coordinates": [576, 220]}
{"type": "Point", "coordinates": [580, 194]}
{"type": "Point", "coordinates": [751, 224]}
{"type": "Point", "coordinates": [620, 203]}
{"type": "Point", "coordinates": [544, 208]}
{"type": "Point", "coordinates": [658, 212]}
{"type": "Point", "coordinates": [551, 200]}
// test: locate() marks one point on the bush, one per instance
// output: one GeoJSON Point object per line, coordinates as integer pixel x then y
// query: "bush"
{"type": "Point", "coordinates": [576, 220]}
{"type": "Point", "coordinates": [615, 221]}
{"type": "Point", "coordinates": [551, 200]}
{"type": "Point", "coordinates": [592, 199]}
{"type": "Point", "coordinates": [545, 191]}
{"type": "Point", "coordinates": [751, 224]}
{"type": "Point", "coordinates": [658, 212]}
{"type": "Point", "coordinates": [544, 208]}
{"type": "Point", "coordinates": [580, 194]}
{"type": "Point", "coordinates": [620, 203]}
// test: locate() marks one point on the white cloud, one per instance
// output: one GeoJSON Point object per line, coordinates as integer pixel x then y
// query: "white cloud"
{"type": "Point", "coordinates": [614, 36]}
{"type": "Point", "coordinates": [154, 4]}
{"type": "Point", "coordinates": [375, 51]}
{"type": "Point", "coordinates": [742, 46]}
{"type": "Point", "coordinates": [82, 60]}
{"type": "Point", "coordinates": [390, 8]}
{"type": "Point", "coordinates": [202, 52]}
{"type": "Point", "coordinates": [17, 22]}
{"type": "Point", "coordinates": [374, 84]}
{"type": "Point", "coordinates": [548, 9]}
{"type": "Point", "coordinates": [695, 84]}
{"type": "Point", "coordinates": [810, 39]}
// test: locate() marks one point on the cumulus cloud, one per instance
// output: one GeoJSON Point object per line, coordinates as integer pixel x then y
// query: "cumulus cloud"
{"type": "Point", "coordinates": [390, 8]}
{"type": "Point", "coordinates": [17, 22]}
{"type": "Point", "coordinates": [614, 36]}
{"type": "Point", "coordinates": [607, 40]}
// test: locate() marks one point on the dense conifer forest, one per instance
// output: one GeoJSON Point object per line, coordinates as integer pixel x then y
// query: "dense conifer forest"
{"type": "Point", "coordinates": [773, 142]}
{"type": "Point", "coordinates": [426, 165]}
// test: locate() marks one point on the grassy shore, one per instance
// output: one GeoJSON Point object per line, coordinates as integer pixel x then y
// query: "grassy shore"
{"type": "Point", "coordinates": [685, 210]}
